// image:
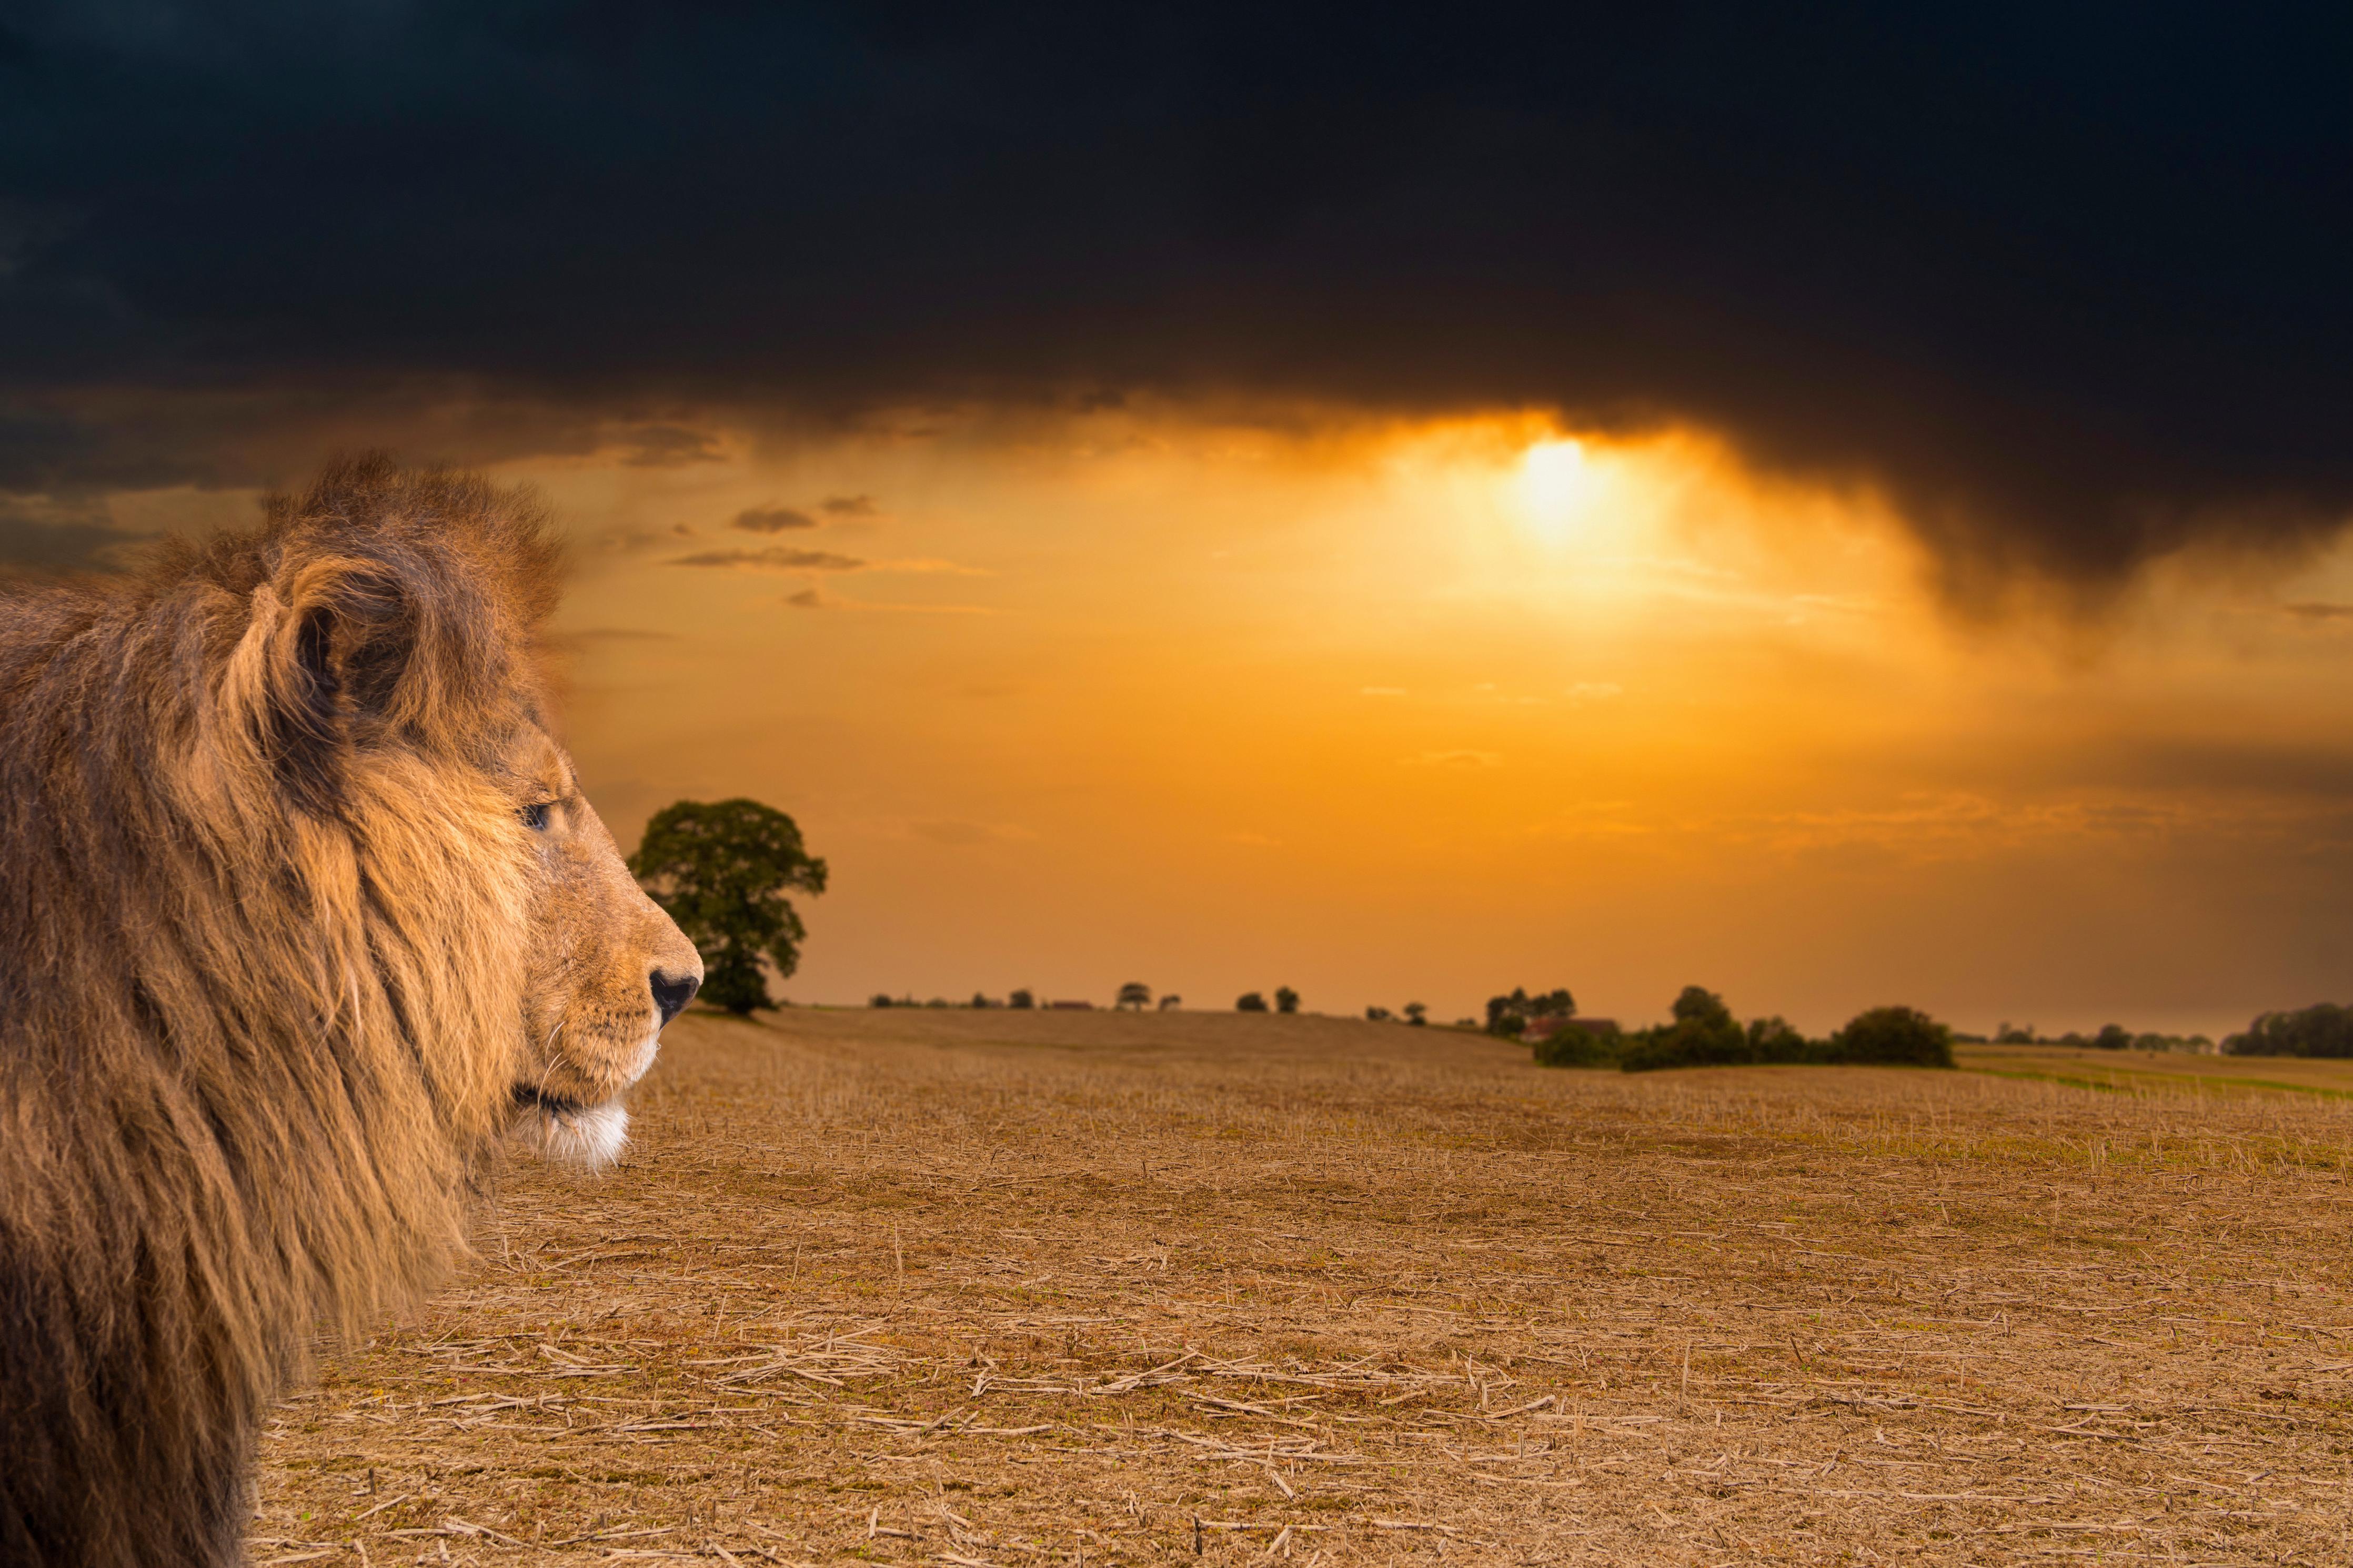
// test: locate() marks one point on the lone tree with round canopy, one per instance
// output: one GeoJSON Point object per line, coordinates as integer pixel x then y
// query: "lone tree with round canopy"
{"type": "Point", "coordinates": [721, 871]}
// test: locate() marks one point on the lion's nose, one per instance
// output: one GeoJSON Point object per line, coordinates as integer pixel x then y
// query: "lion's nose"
{"type": "Point", "coordinates": [672, 995]}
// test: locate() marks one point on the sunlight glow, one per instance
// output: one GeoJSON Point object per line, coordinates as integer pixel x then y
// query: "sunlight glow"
{"type": "Point", "coordinates": [1556, 486]}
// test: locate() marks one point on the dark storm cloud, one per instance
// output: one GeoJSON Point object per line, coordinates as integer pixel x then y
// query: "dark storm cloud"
{"type": "Point", "coordinates": [2067, 281]}
{"type": "Point", "coordinates": [60, 547]}
{"type": "Point", "coordinates": [775, 558]}
{"type": "Point", "coordinates": [771, 520]}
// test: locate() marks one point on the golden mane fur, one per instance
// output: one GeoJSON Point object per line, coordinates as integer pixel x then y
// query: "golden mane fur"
{"type": "Point", "coordinates": [265, 913]}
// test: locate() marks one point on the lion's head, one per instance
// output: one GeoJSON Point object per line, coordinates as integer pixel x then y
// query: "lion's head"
{"type": "Point", "coordinates": [300, 909]}
{"type": "Point", "coordinates": [404, 637]}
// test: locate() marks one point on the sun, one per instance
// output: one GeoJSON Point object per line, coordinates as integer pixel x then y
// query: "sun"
{"type": "Point", "coordinates": [1556, 485]}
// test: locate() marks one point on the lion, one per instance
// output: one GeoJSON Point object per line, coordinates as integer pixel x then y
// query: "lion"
{"type": "Point", "coordinates": [300, 909]}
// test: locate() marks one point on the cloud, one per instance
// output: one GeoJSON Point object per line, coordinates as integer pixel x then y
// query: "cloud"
{"type": "Point", "coordinates": [666, 447]}
{"type": "Point", "coordinates": [849, 506]}
{"type": "Point", "coordinates": [2064, 315]}
{"type": "Point", "coordinates": [817, 599]}
{"type": "Point", "coordinates": [773, 558]}
{"type": "Point", "coordinates": [643, 538]}
{"type": "Point", "coordinates": [771, 520]}
{"type": "Point", "coordinates": [46, 538]}
{"type": "Point", "coordinates": [2318, 611]}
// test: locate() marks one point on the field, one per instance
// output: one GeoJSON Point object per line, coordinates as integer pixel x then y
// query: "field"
{"type": "Point", "coordinates": [1000, 1287]}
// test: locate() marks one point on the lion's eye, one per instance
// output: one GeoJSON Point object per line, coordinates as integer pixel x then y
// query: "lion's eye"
{"type": "Point", "coordinates": [535, 817]}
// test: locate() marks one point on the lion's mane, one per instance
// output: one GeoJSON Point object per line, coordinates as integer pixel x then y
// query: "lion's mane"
{"type": "Point", "coordinates": [258, 979]}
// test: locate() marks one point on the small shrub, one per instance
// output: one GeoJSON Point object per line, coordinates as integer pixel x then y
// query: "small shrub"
{"type": "Point", "coordinates": [1250, 1002]}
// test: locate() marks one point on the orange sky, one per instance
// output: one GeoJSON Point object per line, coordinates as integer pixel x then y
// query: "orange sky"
{"type": "Point", "coordinates": [1394, 712]}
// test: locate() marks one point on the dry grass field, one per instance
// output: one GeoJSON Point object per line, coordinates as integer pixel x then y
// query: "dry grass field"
{"type": "Point", "coordinates": [1024, 1289]}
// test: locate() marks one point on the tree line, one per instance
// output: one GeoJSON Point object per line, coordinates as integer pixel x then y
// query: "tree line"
{"type": "Point", "coordinates": [723, 869]}
{"type": "Point", "coordinates": [1702, 1032]}
{"type": "Point", "coordinates": [2323, 1029]}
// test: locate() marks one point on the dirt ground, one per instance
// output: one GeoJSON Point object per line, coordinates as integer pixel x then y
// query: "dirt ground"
{"type": "Point", "coordinates": [1000, 1287]}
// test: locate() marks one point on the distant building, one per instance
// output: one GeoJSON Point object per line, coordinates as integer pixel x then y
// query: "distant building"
{"type": "Point", "coordinates": [1071, 1006]}
{"type": "Point", "coordinates": [1546, 1028]}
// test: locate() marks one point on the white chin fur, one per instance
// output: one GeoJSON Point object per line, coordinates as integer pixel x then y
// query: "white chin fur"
{"type": "Point", "coordinates": [591, 1137]}
{"type": "Point", "coordinates": [645, 1054]}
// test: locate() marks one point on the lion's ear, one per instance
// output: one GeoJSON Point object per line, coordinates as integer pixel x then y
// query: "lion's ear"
{"type": "Point", "coordinates": [402, 608]}
{"type": "Point", "coordinates": [345, 651]}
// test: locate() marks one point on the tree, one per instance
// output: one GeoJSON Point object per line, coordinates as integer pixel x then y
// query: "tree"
{"type": "Point", "coordinates": [1417, 1015]}
{"type": "Point", "coordinates": [880, 999]}
{"type": "Point", "coordinates": [1171, 1002]}
{"type": "Point", "coordinates": [1510, 1016]}
{"type": "Point", "coordinates": [721, 871]}
{"type": "Point", "coordinates": [1698, 1005]}
{"type": "Point", "coordinates": [1250, 1002]}
{"type": "Point", "coordinates": [1379, 1015]}
{"type": "Point", "coordinates": [2113, 1037]}
{"type": "Point", "coordinates": [1902, 1034]}
{"type": "Point", "coordinates": [1135, 994]}
{"type": "Point", "coordinates": [1022, 999]}
{"type": "Point", "coordinates": [1286, 1000]}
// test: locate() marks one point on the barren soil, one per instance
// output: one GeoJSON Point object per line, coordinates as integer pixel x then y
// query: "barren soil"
{"type": "Point", "coordinates": [1002, 1288]}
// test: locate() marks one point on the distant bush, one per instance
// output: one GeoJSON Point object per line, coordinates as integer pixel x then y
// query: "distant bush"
{"type": "Point", "coordinates": [1704, 1034]}
{"type": "Point", "coordinates": [1901, 1035]}
{"type": "Point", "coordinates": [1022, 999]}
{"type": "Point", "coordinates": [1573, 1046]}
{"type": "Point", "coordinates": [2323, 1029]}
{"type": "Point", "coordinates": [1250, 1002]}
{"type": "Point", "coordinates": [1689, 1045]}
{"type": "Point", "coordinates": [1379, 1015]}
{"type": "Point", "coordinates": [880, 999]}
{"type": "Point", "coordinates": [2113, 1037]}
{"type": "Point", "coordinates": [1286, 1000]}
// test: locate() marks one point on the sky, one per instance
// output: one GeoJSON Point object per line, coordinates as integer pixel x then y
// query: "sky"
{"type": "Point", "coordinates": [1841, 508]}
